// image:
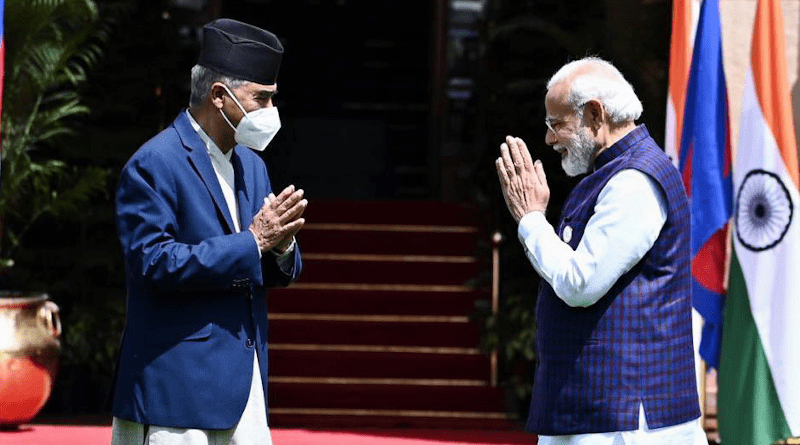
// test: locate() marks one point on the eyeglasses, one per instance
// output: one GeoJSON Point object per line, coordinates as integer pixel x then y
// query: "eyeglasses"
{"type": "Point", "coordinates": [555, 124]}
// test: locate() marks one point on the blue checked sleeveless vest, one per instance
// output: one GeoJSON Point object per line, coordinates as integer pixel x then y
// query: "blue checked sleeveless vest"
{"type": "Point", "coordinates": [633, 347]}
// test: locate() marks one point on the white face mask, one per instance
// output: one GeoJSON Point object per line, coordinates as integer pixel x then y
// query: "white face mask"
{"type": "Point", "coordinates": [257, 128]}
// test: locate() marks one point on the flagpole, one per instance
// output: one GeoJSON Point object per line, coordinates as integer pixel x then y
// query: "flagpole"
{"type": "Point", "coordinates": [703, 395]}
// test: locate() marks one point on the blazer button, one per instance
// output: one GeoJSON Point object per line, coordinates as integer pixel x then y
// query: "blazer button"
{"type": "Point", "coordinates": [249, 343]}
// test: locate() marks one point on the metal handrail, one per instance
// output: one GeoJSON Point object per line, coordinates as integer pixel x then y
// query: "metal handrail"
{"type": "Point", "coordinates": [497, 238]}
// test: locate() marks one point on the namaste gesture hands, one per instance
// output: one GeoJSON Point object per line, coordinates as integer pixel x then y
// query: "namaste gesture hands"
{"type": "Point", "coordinates": [523, 181]}
{"type": "Point", "coordinates": [275, 225]}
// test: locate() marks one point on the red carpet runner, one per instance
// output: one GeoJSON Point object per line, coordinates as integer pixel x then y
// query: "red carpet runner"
{"type": "Point", "coordinates": [377, 331]}
{"type": "Point", "coordinates": [101, 435]}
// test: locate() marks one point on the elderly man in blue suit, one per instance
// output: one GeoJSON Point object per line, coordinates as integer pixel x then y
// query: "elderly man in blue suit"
{"type": "Point", "coordinates": [203, 236]}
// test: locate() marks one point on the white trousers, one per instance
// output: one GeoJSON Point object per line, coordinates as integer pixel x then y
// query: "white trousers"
{"type": "Point", "coordinates": [689, 433]}
{"type": "Point", "coordinates": [252, 428]}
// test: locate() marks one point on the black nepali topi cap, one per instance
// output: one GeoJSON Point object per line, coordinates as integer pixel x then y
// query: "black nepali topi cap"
{"type": "Point", "coordinates": [241, 51]}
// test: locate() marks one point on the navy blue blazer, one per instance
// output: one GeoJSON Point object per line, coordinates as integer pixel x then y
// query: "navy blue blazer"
{"type": "Point", "coordinates": [196, 306]}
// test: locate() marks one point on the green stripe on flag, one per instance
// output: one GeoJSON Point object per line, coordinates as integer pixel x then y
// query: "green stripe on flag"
{"type": "Point", "coordinates": [749, 411]}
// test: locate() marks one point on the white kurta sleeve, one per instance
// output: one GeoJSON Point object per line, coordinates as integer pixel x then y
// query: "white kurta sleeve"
{"type": "Point", "coordinates": [629, 214]}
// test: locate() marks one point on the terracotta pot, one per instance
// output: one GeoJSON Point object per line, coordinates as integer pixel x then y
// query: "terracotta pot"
{"type": "Point", "coordinates": [29, 354]}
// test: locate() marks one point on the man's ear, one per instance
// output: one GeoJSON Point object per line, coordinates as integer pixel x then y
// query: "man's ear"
{"type": "Point", "coordinates": [594, 113]}
{"type": "Point", "coordinates": [217, 94]}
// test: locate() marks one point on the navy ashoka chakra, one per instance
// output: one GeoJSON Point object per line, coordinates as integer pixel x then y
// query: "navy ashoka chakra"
{"type": "Point", "coordinates": [763, 210]}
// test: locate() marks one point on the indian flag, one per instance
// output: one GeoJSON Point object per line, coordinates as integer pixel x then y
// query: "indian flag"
{"type": "Point", "coordinates": [759, 373]}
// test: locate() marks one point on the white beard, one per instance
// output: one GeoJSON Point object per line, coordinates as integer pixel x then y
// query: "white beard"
{"type": "Point", "coordinates": [579, 152]}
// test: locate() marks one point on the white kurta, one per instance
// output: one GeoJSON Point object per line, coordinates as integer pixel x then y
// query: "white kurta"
{"type": "Point", "coordinates": [252, 428]}
{"type": "Point", "coordinates": [630, 211]}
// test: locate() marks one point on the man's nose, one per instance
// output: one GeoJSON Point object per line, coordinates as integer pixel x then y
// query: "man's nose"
{"type": "Point", "coordinates": [550, 137]}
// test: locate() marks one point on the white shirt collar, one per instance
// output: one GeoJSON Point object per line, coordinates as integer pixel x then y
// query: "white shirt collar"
{"type": "Point", "coordinates": [211, 147]}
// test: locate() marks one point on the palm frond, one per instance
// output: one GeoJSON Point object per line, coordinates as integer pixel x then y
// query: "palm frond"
{"type": "Point", "coordinates": [51, 46]}
{"type": "Point", "coordinates": [50, 117]}
{"type": "Point", "coordinates": [70, 199]}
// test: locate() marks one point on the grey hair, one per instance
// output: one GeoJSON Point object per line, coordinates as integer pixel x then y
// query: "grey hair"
{"type": "Point", "coordinates": [610, 88]}
{"type": "Point", "coordinates": [203, 78]}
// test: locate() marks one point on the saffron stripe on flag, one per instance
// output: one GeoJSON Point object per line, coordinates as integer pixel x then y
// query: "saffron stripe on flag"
{"type": "Point", "coordinates": [684, 24]}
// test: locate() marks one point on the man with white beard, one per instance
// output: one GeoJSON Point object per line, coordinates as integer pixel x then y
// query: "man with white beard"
{"type": "Point", "coordinates": [613, 316]}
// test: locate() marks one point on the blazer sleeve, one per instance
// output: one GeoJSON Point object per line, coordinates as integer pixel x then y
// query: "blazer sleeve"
{"type": "Point", "coordinates": [147, 202]}
{"type": "Point", "coordinates": [274, 276]}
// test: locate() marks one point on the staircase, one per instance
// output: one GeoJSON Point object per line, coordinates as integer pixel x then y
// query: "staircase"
{"type": "Point", "coordinates": [376, 333]}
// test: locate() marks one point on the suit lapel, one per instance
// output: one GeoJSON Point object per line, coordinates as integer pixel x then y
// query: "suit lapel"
{"type": "Point", "coordinates": [201, 161]}
{"type": "Point", "coordinates": [242, 195]}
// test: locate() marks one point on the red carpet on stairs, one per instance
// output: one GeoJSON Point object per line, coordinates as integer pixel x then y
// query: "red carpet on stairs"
{"type": "Point", "coordinates": [101, 435]}
{"type": "Point", "coordinates": [377, 333]}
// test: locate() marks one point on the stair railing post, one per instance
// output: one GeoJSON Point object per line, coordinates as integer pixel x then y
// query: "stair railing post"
{"type": "Point", "coordinates": [497, 238]}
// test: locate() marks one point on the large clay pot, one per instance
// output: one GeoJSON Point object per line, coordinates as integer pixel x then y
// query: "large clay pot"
{"type": "Point", "coordinates": [29, 355]}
